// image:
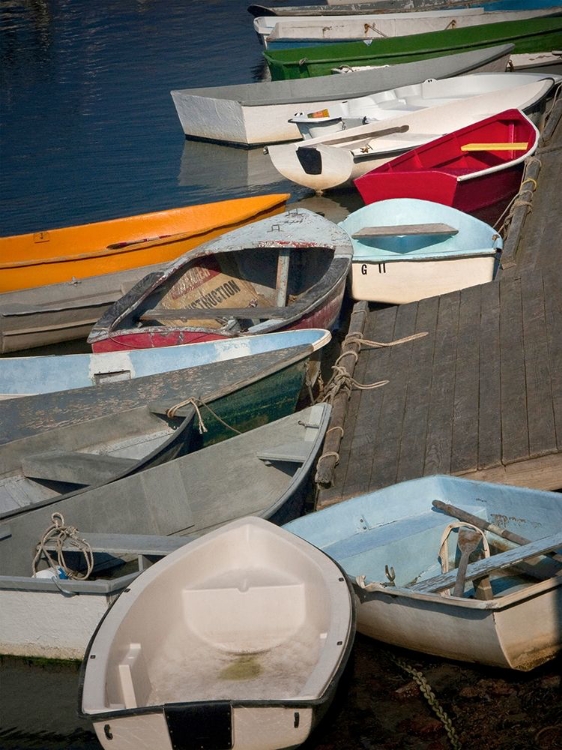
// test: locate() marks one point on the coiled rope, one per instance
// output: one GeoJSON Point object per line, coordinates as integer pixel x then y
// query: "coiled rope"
{"type": "Point", "coordinates": [61, 534]}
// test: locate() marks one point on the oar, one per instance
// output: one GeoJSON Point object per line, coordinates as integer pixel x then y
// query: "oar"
{"type": "Point", "coordinates": [467, 541]}
{"type": "Point", "coordinates": [463, 515]}
{"type": "Point", "coordinates": [362, 132]}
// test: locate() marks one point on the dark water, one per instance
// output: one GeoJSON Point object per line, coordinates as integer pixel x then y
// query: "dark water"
{"type": "Point", "coordinates": [88, 129]}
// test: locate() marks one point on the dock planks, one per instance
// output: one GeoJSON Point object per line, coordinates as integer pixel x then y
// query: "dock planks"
{"type": "Point", "coordinates": [481, 395]}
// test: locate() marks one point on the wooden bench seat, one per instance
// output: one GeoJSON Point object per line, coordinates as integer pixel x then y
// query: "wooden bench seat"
{"type": "Point", "coordinates": [484, 567]}
{"type": "Point", "coordinates": [192, 313]}
{"type": "Point", "coordinates": [74, 468]}
{"type": "Point", "coordinates": [296, 452]}
{"type": "Point", "coordinates": [404, 229]}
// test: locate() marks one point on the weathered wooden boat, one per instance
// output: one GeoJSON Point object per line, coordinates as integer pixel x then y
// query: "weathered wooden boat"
{"type": "Point", "coordinates": [20, 376]}
{"type": "Point", "coordinates": [407, 560]}
{"type": "Point", "coordinates": [298, 31]}
{"type": "Point", "coordinates": [531, 35]}
{"type": "Point", "coordinates": [73, 253]}
{"type": "Point", "coordinates": [281, 273]}
{"type": "Point", "coordinates": [406, 249]}
{"type": "Point", "coordinates": [237, 640]}
{"type": "Point", "coordinates": [251, 114]}
{"type": "Point", "coordinates": [476, 169]}
{"type": "Point", "coordinates": [255, 389]}
{"type": "Point", "coordinates": [332, 161]}
{"type": "Point", "coordinates": [51, 314]}
{"type": "Point", "coordinates": [48, 615]}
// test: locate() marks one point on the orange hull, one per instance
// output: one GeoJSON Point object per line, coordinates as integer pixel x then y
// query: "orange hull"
{"type": "Point", "coordinates": [59, 255]}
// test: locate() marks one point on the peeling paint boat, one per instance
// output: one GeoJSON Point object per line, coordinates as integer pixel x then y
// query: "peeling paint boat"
{"type": "Point", "coordinates": [413, 586]}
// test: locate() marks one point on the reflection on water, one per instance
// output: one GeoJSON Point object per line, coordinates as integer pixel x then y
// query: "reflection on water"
{"type": "Point", "coordinates": [39, 708]}
{"type": "Point", "coordinates": [222, 171]}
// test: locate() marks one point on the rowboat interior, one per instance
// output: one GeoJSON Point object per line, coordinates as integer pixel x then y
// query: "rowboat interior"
{"type": "Point", "coordinates": [244, 616]}
{"type": "Point", "coordinates": [435, 567]}
{"type": "Point", "coordinates": [237, 290]}
{"type": "Point", "coordinates": [48, 465]}
{"type": "Point", "coordinates": [504, 141]}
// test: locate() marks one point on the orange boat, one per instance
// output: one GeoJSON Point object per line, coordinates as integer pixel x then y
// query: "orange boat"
{"type": "Point", "coordinates": [106, 247]}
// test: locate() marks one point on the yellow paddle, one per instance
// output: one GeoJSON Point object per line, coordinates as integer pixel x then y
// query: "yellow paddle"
{"type": "Point", "coordinates": [519, 146]}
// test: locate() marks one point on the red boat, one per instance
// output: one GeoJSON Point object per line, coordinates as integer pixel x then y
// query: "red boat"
{"type": "Point", "coordinates": [476, 169]}
{"type": "Point", "coordinates": [284, 272]}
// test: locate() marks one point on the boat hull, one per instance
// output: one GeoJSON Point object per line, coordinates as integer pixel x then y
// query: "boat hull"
{"type": "Point", "coordinates": [290, 32]}
{"type": "Point", "coordinates": [257, 653]}
{"type": "Point", "coordinates": [398, 283]}
{"type": "Point", "coordinates": [532, 35]}
{"type": "Point", "coordinates": [520, 634]}
{"type": "Point", "coordinates": [426, 250]}
{"type": "Point", "coordinates": [324, 316]}
{"type": "Point", "coordinates": [258, 113]}
{"type": "Point", "coordinates": [21, 376]}
{"type": "Point", "coordinates": [252, 391]}
{"type": "Point", "coordinates": [486, 197]}
{"type": "Point", "coordinates": [269, 477]}
{"type": "Point", "coordinates": [478, 180]}
{"type": "Point", "coordinates": [55, 313]}
{"type": "Point", "coordinates": [64, 255]}
{"type": "Point", "coordinates": [279, 274]}
{"type": "Point", "coordinates": [400, 530]}
{"type": "Point", "coordinates": [330, 162]}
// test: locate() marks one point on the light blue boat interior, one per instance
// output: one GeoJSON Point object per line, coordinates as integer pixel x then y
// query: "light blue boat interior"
{"type": "Point", "coordinates": [474, 237]}
{"type": "Point", "coordinates": [47, 374]}
{"type": "Point", "coordinates": [398, 527]}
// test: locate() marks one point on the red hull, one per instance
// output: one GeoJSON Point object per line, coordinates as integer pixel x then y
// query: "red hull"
{"type": "Point", "coordinates": [324, 316]}
{"type": "Point", "coordinates": [433, 171]}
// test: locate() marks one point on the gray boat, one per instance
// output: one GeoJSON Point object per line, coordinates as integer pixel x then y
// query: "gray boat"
{"type": "Point", "coordinates": [263, 472]}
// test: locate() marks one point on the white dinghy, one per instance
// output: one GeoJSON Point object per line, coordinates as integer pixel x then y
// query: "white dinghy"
{"type": "Point", "coordinates": [303, 31]}
{"type": "Point", "coordinates": [251, 114]}
{"type": "Point", "coordinates": [332, 161]}
{"type": "Point", "coordinates": [236, 640]}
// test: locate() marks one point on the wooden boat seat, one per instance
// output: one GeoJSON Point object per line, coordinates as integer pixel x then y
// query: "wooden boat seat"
{"type": "Point", "coordinates": [296, 452]}
{"type": "Point", "coordinates": [518, 146]}
{"type": "Point", "coordinates": [404, 229]}
{"type": "Point", "coordinates": [74, 468]}
{"type": "Point", "coordinates": [484, 567]}
{"type": "Point", "coordinates": [246, 313]}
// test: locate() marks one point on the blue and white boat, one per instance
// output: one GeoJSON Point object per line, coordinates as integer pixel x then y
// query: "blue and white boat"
{"type": "Point", "coordinates": [21, 376]}
{"type": "Point", "coordinates": [406, 547]}
{"type": "Point", "coordinates": [406, 249]}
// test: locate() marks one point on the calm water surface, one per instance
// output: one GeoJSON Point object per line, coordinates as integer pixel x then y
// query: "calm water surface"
{"type": "Point", "coordinates": [88, 131]}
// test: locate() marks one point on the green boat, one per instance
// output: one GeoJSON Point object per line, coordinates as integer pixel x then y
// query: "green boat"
{"type": "Point", "coordinates": [531, 35]}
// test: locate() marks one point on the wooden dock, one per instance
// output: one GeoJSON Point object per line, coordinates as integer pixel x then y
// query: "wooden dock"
{"type": "Point", "coordinates": [480, 395]}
